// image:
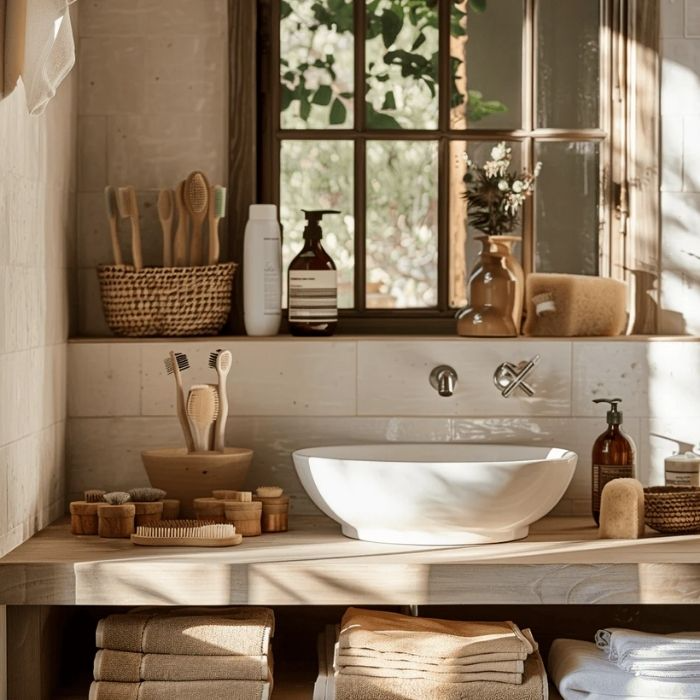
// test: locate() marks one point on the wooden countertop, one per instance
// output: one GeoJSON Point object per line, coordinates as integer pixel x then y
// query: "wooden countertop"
{"type": "Point", "coordinates": [562, 561]}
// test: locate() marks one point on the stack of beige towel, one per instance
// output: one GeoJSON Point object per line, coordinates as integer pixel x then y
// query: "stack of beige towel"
{"type": "Point", "coordinates": [384, 656]}
{"type": "Point", "coordinates": [184, 653]}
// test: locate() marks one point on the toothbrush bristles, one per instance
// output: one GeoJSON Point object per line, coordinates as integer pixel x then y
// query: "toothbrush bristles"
{"type": "Point", "coordinates": [213, 356]}
{"type": "Point", "coordinates": [168, 362]}
{"type": "Point", "coordinates": [183, 362]}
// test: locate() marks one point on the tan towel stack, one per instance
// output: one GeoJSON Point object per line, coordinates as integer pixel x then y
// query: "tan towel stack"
{"type": "Point", "coordinates": [383, 656]}
{"type": "Point", "coordinates": [184, 653]}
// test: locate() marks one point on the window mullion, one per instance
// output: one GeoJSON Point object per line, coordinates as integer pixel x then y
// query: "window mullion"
{"type": "Point", "coordinates": [360, 173]}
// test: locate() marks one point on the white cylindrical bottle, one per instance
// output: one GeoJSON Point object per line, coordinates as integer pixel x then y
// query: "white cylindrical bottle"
{"type": "Point", "coordinates": [262, 271]}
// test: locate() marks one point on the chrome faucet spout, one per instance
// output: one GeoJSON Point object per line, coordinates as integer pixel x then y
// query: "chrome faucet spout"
{"type": "Point", "coordinates": [444, 380]}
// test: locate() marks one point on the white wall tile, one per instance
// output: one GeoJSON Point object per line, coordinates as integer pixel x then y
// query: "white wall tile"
{"type": "Point", "coordinates": [691, 150]}
{"type": "Point", "coordinates": [672, 18]}
{"type": "Point", "coordinates": [679, 77]}
{"type": "Point", "coordinates": [680, 302]}
{"type": "Point", "coordinates": [692, 18]}
{"type": "Point", "coordinates": [104, 379]}
{"type": "Point", "coordinates": [393, 378]}
{"type": "Point", "coordinates": [608, 370]}
{"type": "Point", "coordinates": [672, 147]}
{"type": "Point", "coordinates": [270, 378]}
{"type": "Point", "coordinates": [673, 371]}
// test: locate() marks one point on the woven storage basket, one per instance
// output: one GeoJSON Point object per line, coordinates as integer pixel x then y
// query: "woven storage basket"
{"type": "Point", "coordinates": [672, 509]}
{"type": "Point", "coordinates": [166, 301]}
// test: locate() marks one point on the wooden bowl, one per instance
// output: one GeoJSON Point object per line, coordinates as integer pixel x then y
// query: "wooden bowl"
{"type": "Point", "coordinates": [186, 476]}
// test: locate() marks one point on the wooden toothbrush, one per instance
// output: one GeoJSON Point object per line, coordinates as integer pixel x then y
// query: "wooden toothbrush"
{"type": "Point", "coordinates": [113, 218]}
{"type": "Point", "coordinates": [221, 361]}
{"type": "Point", "coordinates": [217, 211]}
{"type": "Point", "coordinates": [202, 411]}
{"type": "Point", "coordinates": [197, 205]}
{"type": "Point", "coordinates": [166, 212]}
{"type": "Point", "coordinates": [181, 240]}
{"type": "Point", "coordinates": [129, 209]}
{"type": "Point", "coordinates": [176, 364]}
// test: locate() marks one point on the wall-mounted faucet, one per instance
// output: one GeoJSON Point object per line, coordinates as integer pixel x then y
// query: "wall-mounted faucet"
{"type": "Point", "coordinates": [509, 377]}
{"type": "Point", "coordinates": [443, 379]}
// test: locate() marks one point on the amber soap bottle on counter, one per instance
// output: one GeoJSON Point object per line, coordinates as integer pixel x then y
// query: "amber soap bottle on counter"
{"type": "Point", "coordinates": [613, 455]}
{"type": "Point", "coordinates": [312, 283]}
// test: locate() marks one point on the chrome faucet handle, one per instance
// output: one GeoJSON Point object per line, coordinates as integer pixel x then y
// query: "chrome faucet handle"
{"type": "Point", "coordinates": [443, 379]}
{"type": "Point", "coordinates": [509, 377]}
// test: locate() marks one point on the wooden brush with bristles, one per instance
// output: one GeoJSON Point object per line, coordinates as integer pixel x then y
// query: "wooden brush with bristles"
{"type": "Point", "coordinates": [94, 496]}
{"type": "Point", "coordinates": [175, 364]}
{"type": "Point", "coordinates": [202, 410]}
{"type": "Point", "coordinates": [117, 498]}
{"type": "Point", "coordinates": [147, 494]}
{"type": "Point", "coordinates": [187, 533]}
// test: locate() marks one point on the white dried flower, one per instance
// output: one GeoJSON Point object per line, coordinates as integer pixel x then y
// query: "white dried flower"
{"type": "Point", "coordinates": [500, 152]}
{"type": "Point", "coordinates": [503, 185]}
{"type": "Point", "coordinates": [518, 186]}
{"type": "Point", "coordinates": [538, 168]}
{"type": "Point", "coordinates": [492, 168]}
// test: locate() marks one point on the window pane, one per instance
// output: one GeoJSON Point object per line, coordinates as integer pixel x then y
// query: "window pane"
{"type": "Point", "coordinates": [316, 64]}
{"type": "Point", "coordinates": [319, 175]}
{"type": "Point", "coordinates": [568, 69]}
{"type": "Point", "coordinates": [402, 179]}
{"type": "Point", "coordinates": [486, 46]}
{"type": "Point", "coordinates": [464, 248]}
{"type": "Point", "coordinates": [401, 61]}
{"type": "Point", "coordinates": [567, 198]}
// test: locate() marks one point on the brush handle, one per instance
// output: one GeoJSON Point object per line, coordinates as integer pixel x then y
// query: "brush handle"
{"type": "Point", "coordinates": [220, 436]}
{"type": "Point", "coordinates": [196, 241]}
{"type": "Point", "coordinates": [201, 434]}
{"type": "Point", "coordinates": [181, 233]}
{"type": "Point", "coordinates": [214, 251]}
{"type": "Point", "coordinates": [114, 226]}
{"type": "Point", "coordinates": [135, 228]}
{"type": "Point", "coordinates": [166, 225]}
{"type": "Point", "coordinates": [181, 405]}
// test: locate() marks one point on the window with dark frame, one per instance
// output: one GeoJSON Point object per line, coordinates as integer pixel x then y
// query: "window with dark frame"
{"type": "Point", "coordinates": [440, 79]}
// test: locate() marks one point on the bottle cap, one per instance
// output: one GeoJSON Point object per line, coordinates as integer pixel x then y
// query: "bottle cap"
{"type": "Point", "coordinates": [614, 416]}
{"type": "Point", "coordinates": [313, 222]}
{"type": "Point", "coordinates": [263, 212]}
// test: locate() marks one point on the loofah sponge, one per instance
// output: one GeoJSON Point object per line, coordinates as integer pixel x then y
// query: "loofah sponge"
{"type": "Point", "coordinates": [116, 498]}
{"type": "Point", "coordinates": [574, 305]}
{"type": "Point", "coordinates": [269, 491]}
{"type": "Point", "coordinates": [622, 510]}
{"type": "Point", "coordinates": [146, 495]}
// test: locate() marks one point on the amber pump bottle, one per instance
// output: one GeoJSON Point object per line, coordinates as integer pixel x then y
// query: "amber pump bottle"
{"type": "Point", "coordinates": [312, 283]}
{"type": "Point", "coordinates": [613, 455]}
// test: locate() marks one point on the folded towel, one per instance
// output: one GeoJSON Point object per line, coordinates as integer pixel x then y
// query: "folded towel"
{"type": "Point", "coordinates": [391, 632]}
{"type": "Point", "coordinates": [132, 667]}
{"type": "Point", "coordinates": [581, 671]}
{"type": "Point", "coordinates": [230, 631]}
{"type": "Point", "coordinates": [387, 656]}
{"type": "Point", "coordinates": [652, 655]}
{"type": "Point", "coordinates": [437, 669]}
{"type": "Point", "coordinates": [485, 676]}
{"type": "Point", "coordinates": [183, 690]}
{"type": "Point", "coordinates": [533, 687]}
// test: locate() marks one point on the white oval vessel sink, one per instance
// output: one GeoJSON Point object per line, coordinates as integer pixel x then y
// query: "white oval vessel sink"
{"type": "Point", "coordinates": [435, 494]}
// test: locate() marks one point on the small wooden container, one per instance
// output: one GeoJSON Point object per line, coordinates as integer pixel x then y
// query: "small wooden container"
{"type": "Point", "coordinates": [245, 516]}
{"type": "Point", "coordinates": [148, 512]}
{"type": "Point", "coordinates": [238, 496]}
{"type": "Point", "coordinates": [275, 513]}
{"type": "Point", "coordinates": [115, 521]}
{"type": "Point", "coordinates": [83, 518]}
{"type": "Point", "coordinates": [211, 509]}
{"type": "Point", "coordinates": [171, 509]}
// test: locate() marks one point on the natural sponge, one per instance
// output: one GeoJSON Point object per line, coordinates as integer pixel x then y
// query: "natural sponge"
{"type": "Point", "coordinates": [574, 305]}
{"type": "Point", "coordinates": [622, 510]}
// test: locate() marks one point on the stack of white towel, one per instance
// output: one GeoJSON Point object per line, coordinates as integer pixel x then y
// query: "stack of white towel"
{"type": "Point", "coordinates": [627, 664]}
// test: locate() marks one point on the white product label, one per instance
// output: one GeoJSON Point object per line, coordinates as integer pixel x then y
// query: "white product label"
{"type": "Point", "coordinates": [313, 296]}
{"type": "Point", "coordinates": [682, 478]}
{"type": "Point", "coordinates": [273, 281]}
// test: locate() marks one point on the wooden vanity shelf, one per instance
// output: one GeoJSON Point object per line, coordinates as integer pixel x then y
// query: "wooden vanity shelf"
{"type": "Point", "coordinates": [560, 581]}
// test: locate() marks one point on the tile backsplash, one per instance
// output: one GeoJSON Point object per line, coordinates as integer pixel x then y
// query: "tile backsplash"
{"type": "Point", "coordinates": [286, 394]}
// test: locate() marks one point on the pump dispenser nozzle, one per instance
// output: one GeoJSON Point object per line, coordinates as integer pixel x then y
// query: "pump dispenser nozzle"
{"type": "Point", "coordinates": [614, 416]}
{"type": "Point", "coordinates": [313, 222]}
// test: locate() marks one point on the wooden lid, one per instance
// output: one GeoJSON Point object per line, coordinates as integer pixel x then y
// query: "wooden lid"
{"type": "Point", "coordinates": [83, 508]}
{"type": "Point", "coordinates": [148, 507]}
{"type": "Point", "coordinates": [125, 510]}
{"type": "Point", "coordinates": [241, 507]}
{"type": "Point", "coordinates": [272, 501]}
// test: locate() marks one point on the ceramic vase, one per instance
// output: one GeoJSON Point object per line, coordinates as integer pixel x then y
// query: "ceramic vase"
{"type": "Point", "coordinates": [493, 285]}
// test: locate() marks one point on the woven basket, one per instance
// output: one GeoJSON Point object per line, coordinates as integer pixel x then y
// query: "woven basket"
{"type": "Point", "coordinates": [672, 509]}
{"type": "Point", "coordinates": [166, 301]}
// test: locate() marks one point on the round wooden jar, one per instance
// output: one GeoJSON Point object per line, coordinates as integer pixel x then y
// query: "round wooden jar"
{"type": "Point", "coordinates": [115, 521]}
{"type": "Point", "coordinates": [211, 509]}
{"type": "Point", "coordinates": [148, 512]}
{"type": "Point", "coordinates": [275, 513]}
{"type": "Point", "coordinates": [246, 517]}
{"type": "Point", "coordinates": [83, 518]}
{"type": "Point", "coordinates": [171, 509]}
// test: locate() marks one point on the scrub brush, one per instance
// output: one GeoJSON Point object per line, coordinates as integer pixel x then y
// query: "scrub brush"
{"type": "Point", "coordinates": [176, 364]}
{"type": "Point", "coordinates": [197, 205]}
{"type": "Point", "coordinates": [117, 498]}
{"type": "Point", "coordinates": [217, 211]}
{"type": "Point", "coordinates": [94, 496]}
{"type": "Point", "coordinates": [221, 361]}
{"type": "Point", "coordinates": [113, 219]}
{"type": "Point", "coordinates": [186, 533]}
{"type": "Point", "coordinates": [269, 491]}
{"type": "Point", "coordinates": [146, 495]}
{"type": "Point", "coordinates": [129, 209]}
{"type": "Point", "coordinates": [202, 410]}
